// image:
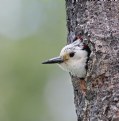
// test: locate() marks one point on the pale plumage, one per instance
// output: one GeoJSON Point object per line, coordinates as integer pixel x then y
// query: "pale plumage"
{"type": "Point", "coordinates": [76, 64]}
{"type": "Point", "coordinates": [73, 58]}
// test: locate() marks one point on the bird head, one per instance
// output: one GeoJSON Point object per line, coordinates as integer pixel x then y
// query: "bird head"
{"type": "Point", "coordinates": [72, 58]}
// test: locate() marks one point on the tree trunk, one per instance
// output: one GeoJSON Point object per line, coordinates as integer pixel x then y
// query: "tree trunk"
{"type": "Point", "coordinates": [100, 18]}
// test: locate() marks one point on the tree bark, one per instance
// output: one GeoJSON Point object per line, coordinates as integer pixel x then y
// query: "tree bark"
{"type": "Point", "coordinates": [100, 19]}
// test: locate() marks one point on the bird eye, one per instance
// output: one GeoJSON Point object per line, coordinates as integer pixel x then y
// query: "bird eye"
{"type": "Point", "coordinates": [71, 54]}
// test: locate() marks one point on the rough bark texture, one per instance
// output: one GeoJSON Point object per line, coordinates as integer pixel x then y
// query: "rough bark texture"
{"type": "Point", "coordinates": [100, 18]}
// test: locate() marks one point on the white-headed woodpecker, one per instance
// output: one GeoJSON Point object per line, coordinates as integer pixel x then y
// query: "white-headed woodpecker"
{"type": "Point", "coordinates": [73, 58]}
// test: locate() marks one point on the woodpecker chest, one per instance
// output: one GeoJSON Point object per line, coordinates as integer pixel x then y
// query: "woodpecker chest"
{"type": "Point", "coordinates": [75, 68]}
{"type": "Point", "coordinates": [78, 70]}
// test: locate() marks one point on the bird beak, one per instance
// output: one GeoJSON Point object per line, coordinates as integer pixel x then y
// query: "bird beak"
{"type": "Point", "coordinates": [54, 60]}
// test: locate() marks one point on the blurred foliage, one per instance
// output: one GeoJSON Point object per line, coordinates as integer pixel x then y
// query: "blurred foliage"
{"type": "Point", "coordinates": [22, 76]}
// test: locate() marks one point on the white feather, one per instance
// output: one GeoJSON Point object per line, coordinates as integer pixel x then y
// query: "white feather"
{"type": "Point", "coordinates": [75, 65]}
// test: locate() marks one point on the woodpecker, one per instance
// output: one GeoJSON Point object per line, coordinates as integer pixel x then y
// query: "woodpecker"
{"type": "Point", "coordinates": [73, 58]}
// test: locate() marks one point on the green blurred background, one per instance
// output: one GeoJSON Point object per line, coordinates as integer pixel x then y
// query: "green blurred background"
{"type": "Point", "coordinates": [32, 31]}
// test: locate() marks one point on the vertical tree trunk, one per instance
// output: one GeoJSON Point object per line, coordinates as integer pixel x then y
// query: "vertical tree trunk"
{"type": "Point", "coordinates": [100, 18]}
